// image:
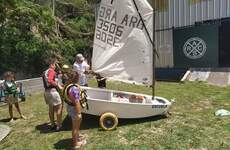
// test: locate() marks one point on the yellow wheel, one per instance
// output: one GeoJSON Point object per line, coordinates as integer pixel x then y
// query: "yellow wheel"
{"type": "Point", "coordinates": [108, 121]}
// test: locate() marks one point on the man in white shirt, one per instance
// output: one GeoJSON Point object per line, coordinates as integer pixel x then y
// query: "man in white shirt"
{"type": "Point", "coordinates": [81, 67]}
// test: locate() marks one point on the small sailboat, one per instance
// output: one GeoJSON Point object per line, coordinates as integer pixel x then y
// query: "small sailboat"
{"type": "Point", "coordinates": [123, 50]}
{"type": "Point", "coordinates": [111, 105]}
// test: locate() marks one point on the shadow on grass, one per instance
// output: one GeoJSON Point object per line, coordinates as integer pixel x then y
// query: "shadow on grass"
{"type": "Point", "coordinates": [63, 144]}
{"type": "Point", "coordinates": [88, 122]}
{"type": "Point", "coordinates": [91, 122]}
{"type": "Point", "coordinates": [8, 119]}
{"type": "Point", "coordinates": [44, 128]}
{"type": "Point", "coordinates": [5, 120]}
{"type": "Point", "coordinates": [124, 122]}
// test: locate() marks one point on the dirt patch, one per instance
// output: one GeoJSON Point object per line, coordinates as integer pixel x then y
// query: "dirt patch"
{"type": "Point", "coordinates": [152, 130]}
{"type": "Point", "coordinates": [198, 149]}
{"type": "Point", "coordinates": [204, 104]}
{"type": "Point", "coordinates": [122, 139]}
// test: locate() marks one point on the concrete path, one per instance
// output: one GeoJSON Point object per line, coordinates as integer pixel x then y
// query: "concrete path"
{"type": "Point", "coordinates": [215, 76]}
{"type": "Point", "coordinates": [4, 131]}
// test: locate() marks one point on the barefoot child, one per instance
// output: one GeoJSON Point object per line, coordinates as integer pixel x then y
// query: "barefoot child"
{"type": "Point", "coordinates": [72, 98]}
{"type": "Point", "coordinates": [11, 93]}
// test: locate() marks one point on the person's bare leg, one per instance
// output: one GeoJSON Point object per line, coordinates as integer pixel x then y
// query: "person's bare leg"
{"type": "Point", "coordinates": [11, 112]}
{"type": "Point", "coordinates": [62, 108]}
{"type": "Point", "coordinates": [19, 110]}
{"type": "Point", "coordinates": [58, 112]}
{"type": "Point", "coordinates": [78, 127]}
{"type": "Point", "coordinates": [51, 115]}
{"type": "Point", "coordinates": [75, 131]}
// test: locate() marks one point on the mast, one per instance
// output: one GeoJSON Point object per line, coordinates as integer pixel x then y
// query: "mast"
{"type": "Point", "coordinates": [154, 53]}
{"type": "Point", "coordinates": [154, 49]}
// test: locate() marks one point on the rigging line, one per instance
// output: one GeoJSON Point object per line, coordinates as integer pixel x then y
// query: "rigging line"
{"type": "Point", "coordinates": [153, 44]}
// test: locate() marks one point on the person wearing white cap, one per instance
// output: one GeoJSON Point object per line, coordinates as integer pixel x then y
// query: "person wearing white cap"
{"type": "Point", "coordinates": [81, 67]}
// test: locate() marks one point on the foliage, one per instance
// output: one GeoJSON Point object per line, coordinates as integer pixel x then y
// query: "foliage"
{"type": "Point", "coordinates": [31, 34]}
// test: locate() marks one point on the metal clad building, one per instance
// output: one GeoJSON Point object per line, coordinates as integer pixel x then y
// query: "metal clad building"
{"type": "Point", "coordinates": [180, 13]}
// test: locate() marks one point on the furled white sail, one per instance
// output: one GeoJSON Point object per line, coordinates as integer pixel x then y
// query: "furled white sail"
{"type": "Point", "coordinates": [122, 49]}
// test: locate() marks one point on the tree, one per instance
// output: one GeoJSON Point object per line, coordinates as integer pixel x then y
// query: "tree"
{"type": "Point", "coordinates": [29, 33]}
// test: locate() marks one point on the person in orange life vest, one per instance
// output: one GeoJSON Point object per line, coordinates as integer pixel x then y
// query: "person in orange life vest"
{"type": "Point", "coordinates": [52, 96]}
{"type": "Point", "coordinates": [74, 110]}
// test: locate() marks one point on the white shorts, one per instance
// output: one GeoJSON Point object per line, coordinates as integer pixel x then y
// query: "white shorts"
{"type": "Point", "coordinates": [71, 112]}
{"type": "Point", "coordinates": [52, 97]}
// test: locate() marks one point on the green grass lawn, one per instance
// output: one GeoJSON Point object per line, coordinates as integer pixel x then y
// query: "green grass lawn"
{"type": "Point", "coordinates": [192, 125]}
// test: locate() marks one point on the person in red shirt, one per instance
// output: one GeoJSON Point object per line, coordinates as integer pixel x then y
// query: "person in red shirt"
{"type": "Point", "coordinates": [51, 95]}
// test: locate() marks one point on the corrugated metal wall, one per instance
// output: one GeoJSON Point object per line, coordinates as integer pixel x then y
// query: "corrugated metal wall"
{"type": "Point", "coordinates": [178, 13]}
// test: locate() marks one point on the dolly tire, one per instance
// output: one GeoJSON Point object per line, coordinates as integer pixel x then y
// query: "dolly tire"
{"type": "Point", "coordinates": [108, 121]}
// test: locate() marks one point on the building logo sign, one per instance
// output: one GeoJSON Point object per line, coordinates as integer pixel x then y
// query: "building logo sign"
{"type": "Point", "coordinates": [194, 48]}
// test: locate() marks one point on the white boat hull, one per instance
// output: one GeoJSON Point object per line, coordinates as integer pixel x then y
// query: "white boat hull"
{"type": "Point", "coordinates": [101, 101]}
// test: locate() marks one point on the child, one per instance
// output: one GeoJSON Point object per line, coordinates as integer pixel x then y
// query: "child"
{"type": "Point", "coordinates": [65, 70]}
{"type": "Point", "coordinates": [11, 93]}
{"type": "Point", "coordinates": [74, 110]}
{"type": "Point", "coordinates": [101, 81]}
